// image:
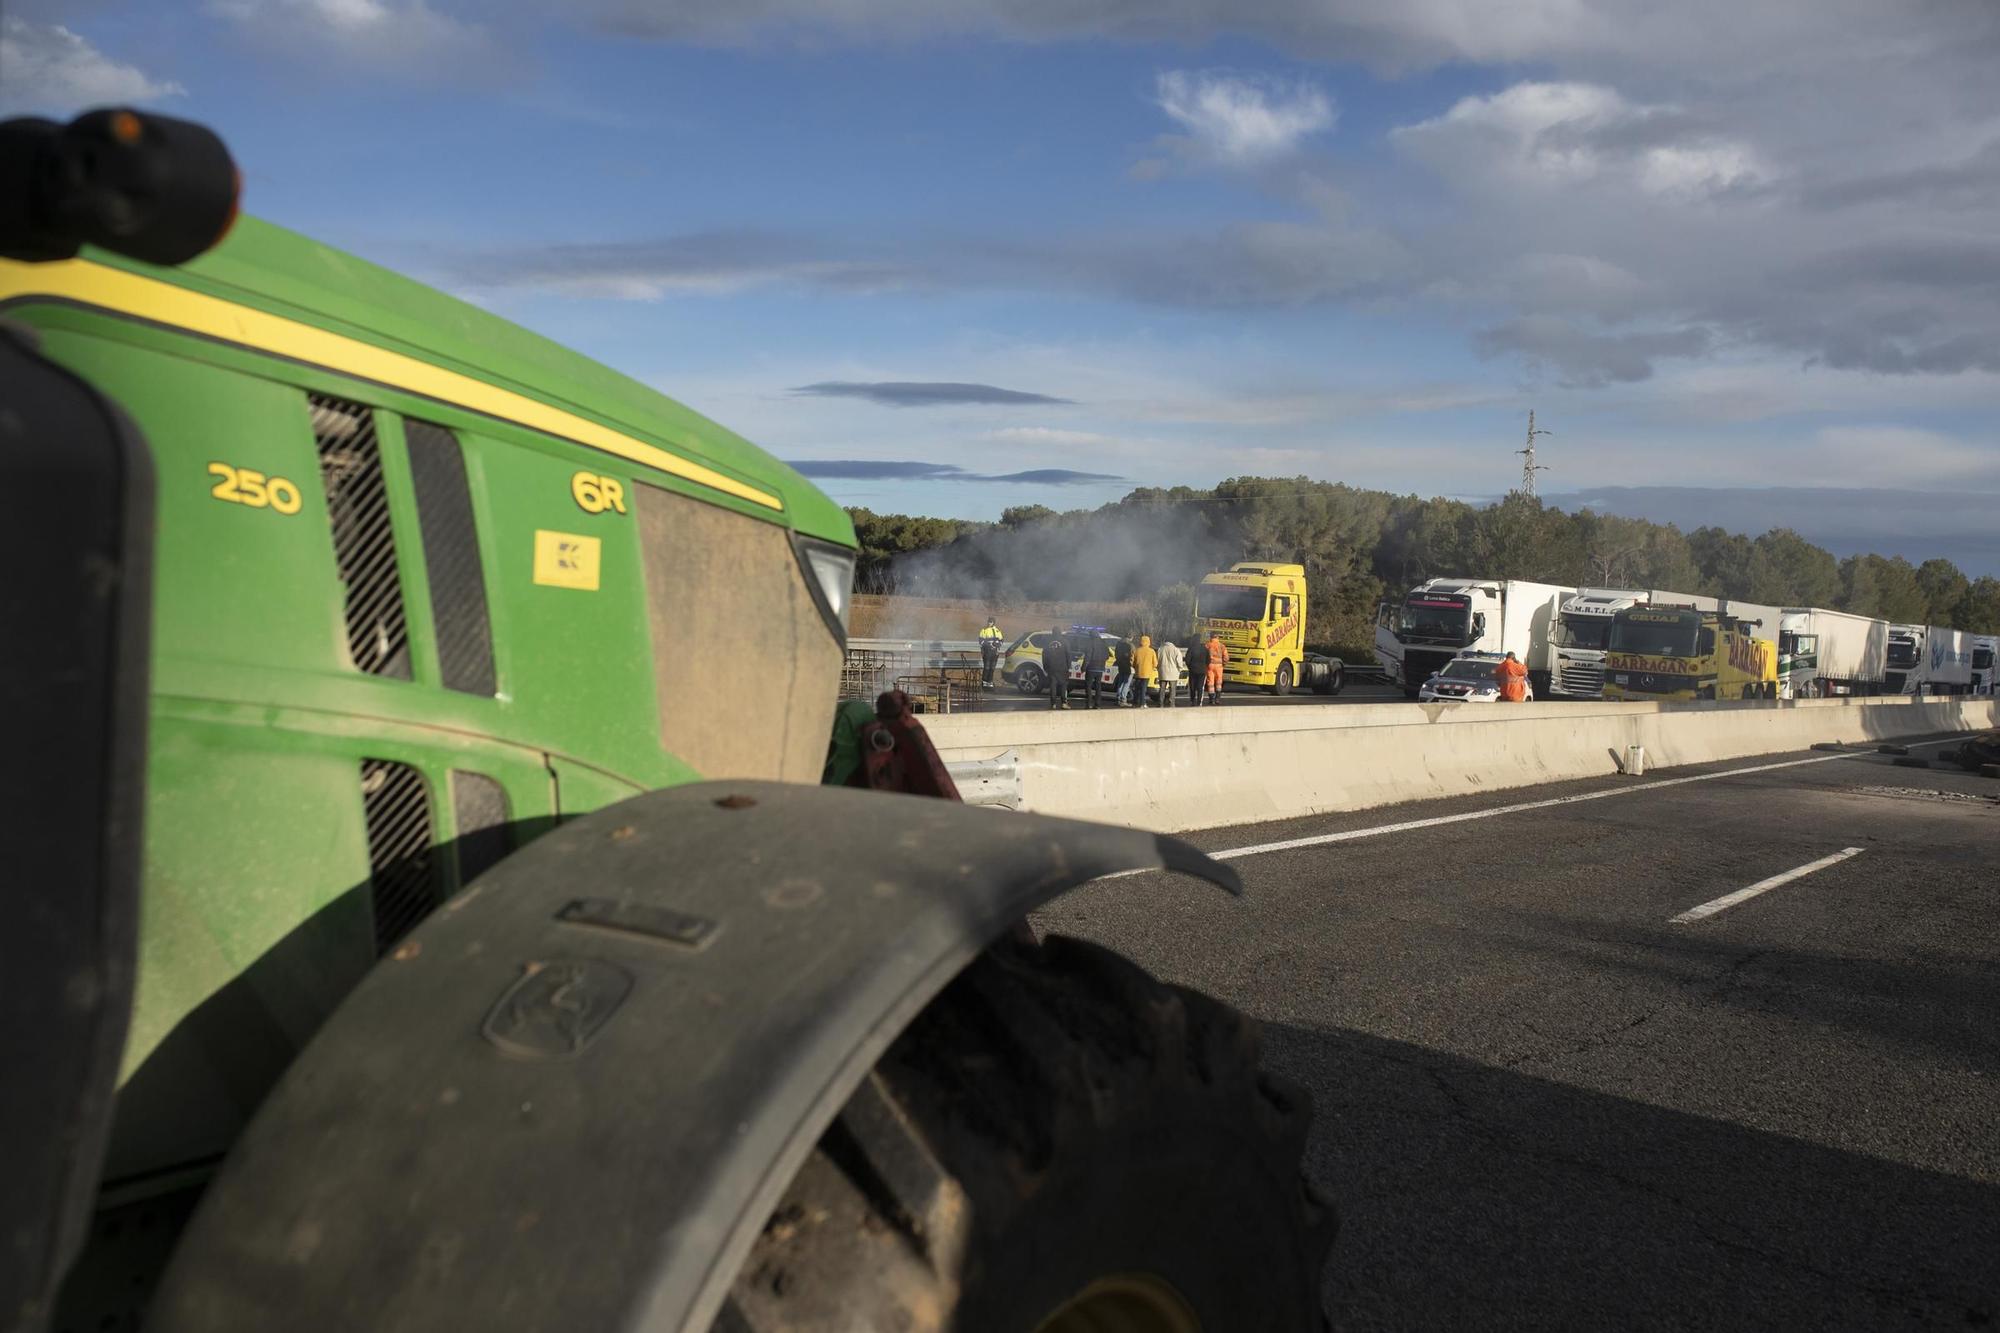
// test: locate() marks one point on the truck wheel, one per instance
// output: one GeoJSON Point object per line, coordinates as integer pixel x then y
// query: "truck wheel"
{"type": "Point", "coordinates": [1059, 1142]}
{"type": "Point", "coordinates": [1030, 680]}
{"type": "Point", "coordinates": [1329, 681]}
{"type": "Point", "coordinates": [1282, 684]}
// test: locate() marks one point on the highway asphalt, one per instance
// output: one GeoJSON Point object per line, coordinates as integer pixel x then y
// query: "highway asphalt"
{"type": "Point", "coordinates": [1541, 1101]}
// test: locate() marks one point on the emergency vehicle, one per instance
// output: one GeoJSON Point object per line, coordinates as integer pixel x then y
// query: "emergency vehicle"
{"type": "Point", "coordinates": [1672, 653]}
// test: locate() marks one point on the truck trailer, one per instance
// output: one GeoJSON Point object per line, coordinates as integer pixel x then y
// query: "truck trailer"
{"type": "Point", "coordinates": [1441, 618]}
{"type": "Point", "coordinates": [1827, 654]}
{"type": "Point", "coordinates": [1926, 659]}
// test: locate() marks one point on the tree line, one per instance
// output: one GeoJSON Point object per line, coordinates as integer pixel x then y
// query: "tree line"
{"type": "Point", "coordinates": [1359, 546]}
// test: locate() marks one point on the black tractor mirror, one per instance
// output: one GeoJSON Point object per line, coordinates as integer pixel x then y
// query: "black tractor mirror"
{"type": "Point", "coordinates": [149, 187]}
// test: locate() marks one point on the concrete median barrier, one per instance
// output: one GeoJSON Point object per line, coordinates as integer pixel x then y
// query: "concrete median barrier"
{"type": "Point", "coordinates": [1184, 769]}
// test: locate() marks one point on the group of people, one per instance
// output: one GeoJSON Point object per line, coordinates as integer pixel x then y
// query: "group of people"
{"type": "Point", "coordinates": [1138, 673]}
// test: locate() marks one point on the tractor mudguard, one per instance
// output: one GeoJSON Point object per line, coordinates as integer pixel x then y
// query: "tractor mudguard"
{"type": "Point", "coordinates": [572, 1097]}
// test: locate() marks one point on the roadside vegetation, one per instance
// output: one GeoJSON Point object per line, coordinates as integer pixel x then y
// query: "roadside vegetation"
{"type": "Point", "coordinates": [1361, 545]}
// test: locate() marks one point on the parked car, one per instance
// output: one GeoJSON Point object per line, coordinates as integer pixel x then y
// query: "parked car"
{"type": "Point", "coordinates": [1021, 663]}
{"type": "Point", "coordinates": [1467, 679]}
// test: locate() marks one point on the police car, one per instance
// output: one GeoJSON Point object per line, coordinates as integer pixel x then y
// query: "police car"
{"type": "Point", "coordinates": [1021, 663]}
{"type": "Point", "coordinates": [1468, 679]}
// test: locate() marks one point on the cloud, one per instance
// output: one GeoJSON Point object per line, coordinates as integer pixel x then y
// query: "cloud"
{"type": "Point", "coordinates": [404, 37]}
{"type": "Point", "coordinates": [1585, 359]}
{"type": "Point", "coordinates": [698, 263]}
{"type": "Point", "coordinates": [1913, 524]}
{"type": "Point", "coordinates": [1691, 181]}
{"type": "Point", "coordinates": [48, 70]}
{"type": "Point", "coordinates": [925, 393]}
{"type": "Point", "coordinates": [1243, 265]}
{"type": "Point", "coordinates": [1048, 435]}
{"type": "Point", "coordinates": [864, 469]}
{"type": "Point", "coordinates": [1239, 120]}
{"type": "Point", "coordinates": [1565, 134]}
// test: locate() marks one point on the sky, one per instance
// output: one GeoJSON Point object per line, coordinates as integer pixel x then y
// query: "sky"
{"type": "Point", "coordinates": [956, 255]}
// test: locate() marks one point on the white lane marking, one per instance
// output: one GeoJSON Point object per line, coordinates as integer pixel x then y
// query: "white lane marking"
{"type": "Point", "coordinates": [1408, 825]}
{"type": "Point", "coordinates": [1729, 900]}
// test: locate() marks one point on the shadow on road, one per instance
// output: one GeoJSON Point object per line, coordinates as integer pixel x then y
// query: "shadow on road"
{"type": "Point", "coordinates": [1473, 1196]}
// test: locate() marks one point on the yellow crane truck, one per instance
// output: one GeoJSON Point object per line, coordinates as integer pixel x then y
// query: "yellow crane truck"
{"type": "Point", "coordinates": [1679, 653]}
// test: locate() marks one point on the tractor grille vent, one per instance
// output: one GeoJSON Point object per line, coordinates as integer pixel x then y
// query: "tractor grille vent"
{"type": "Point", "coordinates": [364, 546]}
{"type": "Point", "coordinates": [451, 556]}
{"type": "Point", "coordinates": [402, 860]}
{"type": "Point", "coordinates": [479, 808]}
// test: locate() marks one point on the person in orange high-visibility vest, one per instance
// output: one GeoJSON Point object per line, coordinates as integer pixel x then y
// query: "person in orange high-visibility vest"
{"type": "Point", "coordinates": [1513, 678]}
{"type": "Point", "coordinates": [1218, 657]}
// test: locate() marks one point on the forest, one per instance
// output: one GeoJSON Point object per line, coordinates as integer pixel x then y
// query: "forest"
{"type": "Point", "coordinates": [1359, 546]}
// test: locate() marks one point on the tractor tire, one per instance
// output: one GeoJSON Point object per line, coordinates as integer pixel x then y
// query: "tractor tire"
{"type": "Point", "coordinates": [1030, 680]}
{"type": "Point", "coordinates": [1330, 682]}
{"type": "Point", "coordinates": [1059, 1143]}
{"type": "Point", "coordinates": [1281, 685]}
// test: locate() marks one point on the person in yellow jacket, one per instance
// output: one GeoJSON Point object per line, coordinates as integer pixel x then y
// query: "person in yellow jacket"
{"type": "Point", "coordinates": [990, 642]}
{"type": "Point", "coordinates": [1146, 666]}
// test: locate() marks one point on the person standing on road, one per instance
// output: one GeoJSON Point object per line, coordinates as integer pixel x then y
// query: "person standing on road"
{"type": "Point", "coordinates": [1197, 666]}
{"type": "Point", "coordinates": [1145, 667]}
{"type": "Point", "coordinates": [1121, 688]}
{"type": "Point", "coordinates": [1173, 666]}
{"type": "Point", "coordinates": [1055, 665]}
{"type": "Point", "coordinates": [990, 639]}
{"type": "Point", "coordinates": [1218, 657]}
{"type": "Point", "coordinates": [1513, 678]}
{"type": "Point", "coordinates": [1096, 657]}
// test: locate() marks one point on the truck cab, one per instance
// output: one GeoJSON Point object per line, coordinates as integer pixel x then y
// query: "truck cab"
{"type": "Point", "coordinates": [1581, 634]}
{"type": "Point", "coordinates": [1983, 648]}
{"type": "Point", "coordinates": [1441, 618]}
{"type": "Point", "coordinates": [1674, 653]}
{"type": "Point", "coordinates": [1259, 611]}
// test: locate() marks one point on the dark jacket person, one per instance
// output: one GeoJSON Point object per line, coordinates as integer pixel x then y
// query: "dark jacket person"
{"type": "Point", "coordinates": [1055, 665]}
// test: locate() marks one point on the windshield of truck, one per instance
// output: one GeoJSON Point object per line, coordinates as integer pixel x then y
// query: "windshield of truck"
{"type": "Point", "coordinates": [1584, 632]}
{"type": "Point", "coordinates": [1226, 601]}
{"type": "Point", "coordinates": [1982, 658]}
{"type": "Point", "coordinates": [1903, 653]}
{"type": "Point", "coordinates": [1436, 616]}
{"type": "Point", "coordinates": [1460, 670]}
{"type": "Point", "coordinates": [1654, 633]}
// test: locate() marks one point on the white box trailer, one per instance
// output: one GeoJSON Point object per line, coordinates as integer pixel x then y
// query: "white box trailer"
{"type": "Point", "coordinates": [1925, 659]}
{"type": "Point", "coordinates": [1441, 618]}
{"type": "Point", "coordinates": [1823, 654]}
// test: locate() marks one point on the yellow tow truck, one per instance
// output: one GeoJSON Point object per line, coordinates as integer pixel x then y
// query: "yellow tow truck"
{"type": "Point", "coordinates": [1259, 611]}
{"type": "Point", "coordinates": [1670, 653]}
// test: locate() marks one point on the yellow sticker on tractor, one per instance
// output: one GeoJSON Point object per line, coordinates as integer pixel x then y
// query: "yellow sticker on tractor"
{"type": "Point", "coordinates": [565, 560]}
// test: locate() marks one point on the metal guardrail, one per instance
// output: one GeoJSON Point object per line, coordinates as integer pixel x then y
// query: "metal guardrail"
{"type": "Point", "coordinates": [995, 781]}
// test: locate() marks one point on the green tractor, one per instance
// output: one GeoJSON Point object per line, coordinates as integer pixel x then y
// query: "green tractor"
{"type": "Point", "coordinates": [423, 913]}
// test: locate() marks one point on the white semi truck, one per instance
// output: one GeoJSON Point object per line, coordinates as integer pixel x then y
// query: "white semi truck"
{"type": "Point", "coordinates": [1584, 627]}
{"type": "Point", "coordinates": [1984, 646]}
{"type": "Point", "coordinates": [1924, 659]}
{"type": "Point", "coordinates": [1825, 654]}
{"type": "Point", "coordinates": [1441, 618]}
